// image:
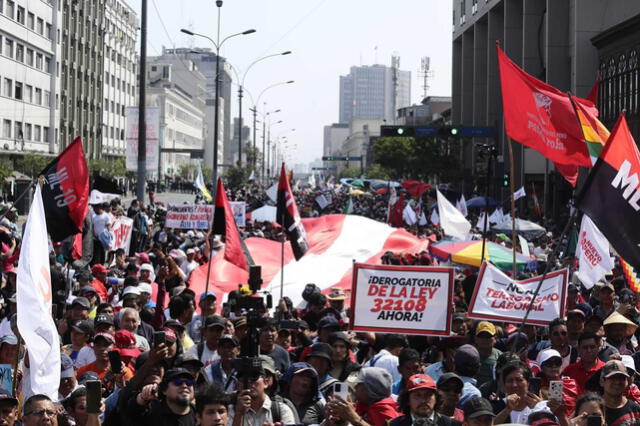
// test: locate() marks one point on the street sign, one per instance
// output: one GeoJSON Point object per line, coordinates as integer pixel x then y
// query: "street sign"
{"type": "Point", "coordinates": [333, 158]}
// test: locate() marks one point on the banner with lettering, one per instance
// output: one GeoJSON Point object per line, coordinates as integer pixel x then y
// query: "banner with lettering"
{"type": "Point", "coordinates": [239, 209]}
{"type": "Point", "coordinates": [121, 227]}
{"type": "Point", "coordinates": [402, 299]}
{"type": "Point", "coordinates": [497, 297]}
{"type": "Point", "coordinates": [189, 216]}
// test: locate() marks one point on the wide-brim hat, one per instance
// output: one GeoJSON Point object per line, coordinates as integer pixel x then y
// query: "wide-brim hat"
{"type": "Point", "coordinates": [618, 318]}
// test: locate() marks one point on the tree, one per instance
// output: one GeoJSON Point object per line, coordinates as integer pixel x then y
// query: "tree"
{"type": "Point", "coordinates": [376, 171]}
{"type": "Point", "coordinates": [108, 168]}
{"type": "Point", "coordinates": [350, 172]}
{"type": "Point", "coordinates": [393, 153]}
{"type": "Point", "coordinates": [235, 178]}
{"type": "Point", "coordinates": [32, 163]}
{"type": "Point", "coordinates": [187, 171]}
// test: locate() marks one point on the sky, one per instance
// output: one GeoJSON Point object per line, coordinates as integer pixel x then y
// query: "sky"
{"type": "Point", "coordinates": [326, 37]}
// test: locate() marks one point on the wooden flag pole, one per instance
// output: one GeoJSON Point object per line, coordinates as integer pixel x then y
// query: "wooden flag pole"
{"type": "Point", "coordinates": [513, 206]}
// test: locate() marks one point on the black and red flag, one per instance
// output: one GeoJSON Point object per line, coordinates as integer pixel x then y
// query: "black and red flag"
{"type": "Point", "coordinates": [65, 193]}
{"type": "Point", "coordinates": [611, 194]}
{"type": "Point", "coordinates": [288, 217]}
{"type": "Point", "coordinates": [225, 224]}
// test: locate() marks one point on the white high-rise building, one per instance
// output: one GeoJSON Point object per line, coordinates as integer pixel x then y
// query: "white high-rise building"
{"type": "Point", "coordinates": [120, 64]}
{"type": "Point", "coordinates": [28, 116]}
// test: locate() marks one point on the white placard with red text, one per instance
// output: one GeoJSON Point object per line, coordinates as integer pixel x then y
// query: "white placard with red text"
{"type": "Point", "coordinates": [121, 227]}
{"type": "Point", "coordinates": [189, 216]}
{"type": "Point", "coordinates": [402, 299]}
{"type": "Point", "coordinates": [497, 297]}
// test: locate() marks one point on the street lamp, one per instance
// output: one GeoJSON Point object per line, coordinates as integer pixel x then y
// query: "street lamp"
{"type": "Point", "coordinates": [255, 112]}
{"type": "Point", "coordinates": [217, 45]}
{"type": "Point", "coordinates": [269, 147]}
{"type": "Point", "coordinates": [287, 52]}
{"type": "Point", "coordinates": [265, 121]}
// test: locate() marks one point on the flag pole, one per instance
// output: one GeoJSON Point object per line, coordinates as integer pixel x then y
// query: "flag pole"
{"type": "Point", "coordinates": [513, 206]}
{"type": "Point", "coordinates": [14, 382]}
{"type": "Point", "coordinates": [284, 237]}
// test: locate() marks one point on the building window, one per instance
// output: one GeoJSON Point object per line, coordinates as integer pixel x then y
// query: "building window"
{"type": "Point", "coordinates": [28, 93]}
{"type": "Point", "coordinates": [6, 129]}
{"type": "Point", "coordinates": [17, 130]}
{"type": "Point", "coordinates": [45, 134]}
{"type": "Point", "coordinates": [27, 132]}
{"type": "Point", "coordinates": [47, 64]}
{"type": "Point", "coordinates": [36, 132]}
{"type": "Point", "coordinates": [40, 26]}
{"type": "Point", "coordinates": [8, 48]}
{"type": "Point", "coordinates": [10, 8]}
{"type": "Point", "coordinates": [48, 32]}
{"type": "Point", "coordinates": [47, 96]}
{"type": "Point", "coordinates": [38, 100]}
{"type": "Point", "coordinates": [30, 55]}
{"type": "Point", "coordinates": [19, 52]}
{"type": "Point", "coordinates": [8, 87]}
{"type": "Point", "coordinates": [39, 60]}
{"type": "Point", "coordinates": [20, 15]}
{"type": "Point", "coordinates": [31, 21]}
{"type": "Point", "coordinates": [18, 91]}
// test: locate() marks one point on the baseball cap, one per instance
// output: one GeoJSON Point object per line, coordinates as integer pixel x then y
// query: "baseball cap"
{"type": "Point", "coordinates": [66, 367]}
{"type": "Point", "coordinates": [145, 288]}
{"type": "Point", "coordinates": [88, 289]}
{"type": "Point", "coordinates": [476, 407]}
{"type": "Point", "coordinates": [546, 354]}
{"type": "Point", "coordinates": [99, 268]}
{"type": "Point", "coordinates": [466, 354]}
{"type": "Point", "coordinates": [190, 251]}
{"type": "Point", "coordinates": [144, 257]}
{"type": "Point", "coordinates": [108, 337]}
{"type": "Point", "coordinates": [89, 375]}
{"type": "Point", "coordinates": [126, 343]}
{"type": "Point", "coordinates": [103, 319]}
{"type": "Point", "coordinates": [174, 325]}
{"type": "Point", "coordinates": [239, 322]}
{"type": "Point", "coordinates": [328, 321]}
{"type": "Point", "coordinates": [208, 294]}
{"type": "Point", "coordinates": [420, 381]}
{"type": "Point", "coordinates": [486, 327]}
{"type": "Point", "coordinates": [175, 373]}
{"type": "Point", "coordinates": [214, 321]}
{"type": "Point", "coordinates": [613, 367]}
{"type": "Point", "coordinates": [187, 358]}
{"type": "Point", "coordinates": [5, 395]}
{"type": "Point", "coordinates": [131, 290]}
{"type": "Point", "coordinates": [84, 327]}
{"type": "Point", "coordinates": [229, 338]}
{"type": "Point", "coordinates": [446, 377]}
{"type": "Point", "coordinates": [628, 362]}
{"type": "Point", "coordinates": [268, 364]}
{"type": "Point", "coordinates": [322, 350]}
{"type": "Point", "coordinates": [170, 335]}
{"type": "Point", "coordinates": [82, 301]}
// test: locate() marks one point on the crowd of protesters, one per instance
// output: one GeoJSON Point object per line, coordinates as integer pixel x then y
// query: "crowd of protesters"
{"type": "Point", "coordinates": [166, 356]}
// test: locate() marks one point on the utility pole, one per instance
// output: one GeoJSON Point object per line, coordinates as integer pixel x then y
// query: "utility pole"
{"type": "Point", "coordinates": [240, 126]}
{"type": "Point", "coordinates": [142, 127]}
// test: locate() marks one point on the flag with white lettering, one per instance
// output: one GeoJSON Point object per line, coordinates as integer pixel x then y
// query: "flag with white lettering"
{"type": "Point", "coordinates": [65, 193]}
{"type": "Point", "coordinates": [611, 194]}
{"type": "Point", "coordinates": [593, 253]}
{"type": "Point", "coordinates": [289, 218]}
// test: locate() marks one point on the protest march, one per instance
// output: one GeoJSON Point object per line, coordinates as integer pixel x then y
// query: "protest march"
{"type": "Point", "coordinates": [333, 302]}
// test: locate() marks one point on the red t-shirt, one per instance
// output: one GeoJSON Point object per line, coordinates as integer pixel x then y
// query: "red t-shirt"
{"type": "Point", "coordinates": [101, 290]}
{"type": "Point", "coordinates": [581, 375]}
{"type": "Point", "coordinates": [378, 413]}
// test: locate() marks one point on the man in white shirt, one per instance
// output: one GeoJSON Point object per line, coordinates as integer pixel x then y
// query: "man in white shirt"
{"type": "Point", "coordinates": [387, 358]}
{"type": "Point", "coordinates": [207, 349]}
{"type": "Point", "coordinates": [189, 264]}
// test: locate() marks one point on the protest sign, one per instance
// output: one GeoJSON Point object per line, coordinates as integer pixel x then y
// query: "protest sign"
{"type": "Point", "coordinates": [239, 209]}
{"type": "Point", "coordinates": [322, 201]}
{"type": "Point", "coordinates": [498, 297]}
{"type": "Point", "coordinates": [6, 376]}
{"type": "Point", "coordinates": [121, 227]}
{"type": "Point", "coordinates": [189, 216]}
{"type": "Point", "coordinates": [401, 299]}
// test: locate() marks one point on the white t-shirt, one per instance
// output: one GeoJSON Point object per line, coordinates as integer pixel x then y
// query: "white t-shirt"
{"type": "Point", "coordinates": [187, 267]}
{"type": "Point", "coordinates": [85, 356]}
{"type": "Point", "coordinates": [100, 222]}
{"type": "Point", "coordinates": [521, 417]}
{"type": "Point", "coordinates": [208, 356]}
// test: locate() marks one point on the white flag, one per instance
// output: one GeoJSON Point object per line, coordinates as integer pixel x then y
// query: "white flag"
{"type": "Point", "coordinates": [462, 206]}
{"type": "Point", "coordinates": [480, 222]}
{"type": "Point", "coordinates": [592, 253]}
{"type": "Point", "coordinates": [199, 183]}
{"type": "Point", "coordinates": [423, 219]}
{"type": "Point", "coordinates": [272, 192]}
{"type": "Point", "coordinates": [97, 197]}
{"type": "Point", "coordinates": [409, 215]}
{"type": "Point", "coordinates": [34, 305]}
{"type": "Point", "coordinates": [312, 180]}
{"type": "Point", "coordinates": [252, 176]}
{"type": "Point", "coordinates": [435, 219]}
{"type": "Point", "coordinates": [524, 245]}
{"type": "Point", "coordinates": [519, 193]}
{"type": "Point", "coordinates": [453, 223]}
{"type": "Point", "coordinates": [494, 217]}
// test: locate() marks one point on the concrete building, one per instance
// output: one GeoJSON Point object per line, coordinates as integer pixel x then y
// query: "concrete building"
{"type": "Point", "coordinates": [83, 33]}
{"type": "Point", "coordinates": [120, 74]}
{"type": "Point", "coordinates": [178, 88]}
{"type": "Point", "coordinates": [205, 60]}
{"type": "Point", "coordinates": [358, 142]}
{"type": "Point", "coordinates": [430, 109]}
{"type": "Point", "coordinates": [367, 92]}
{"type": "Point", "coordinates": [28, 76]}
{"type": "Point", "coordinates": [549, 39]}
{"type": "Point", "coordinates": [334, 136]}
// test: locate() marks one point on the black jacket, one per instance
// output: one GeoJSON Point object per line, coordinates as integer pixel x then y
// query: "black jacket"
{"type": "Point", "coordinates": [156, 413]}
{"type": "Point", "coordinates": [440, 421]}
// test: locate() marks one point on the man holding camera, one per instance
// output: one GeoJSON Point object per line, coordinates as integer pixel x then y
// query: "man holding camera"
{"type": "Point", "coordinates": [253, 406]}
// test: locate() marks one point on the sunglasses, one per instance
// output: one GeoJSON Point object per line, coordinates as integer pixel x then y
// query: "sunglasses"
{"type": "Point", "coordinates": [180, 382]}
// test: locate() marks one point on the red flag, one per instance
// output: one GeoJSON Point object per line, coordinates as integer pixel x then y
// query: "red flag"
{"type": "Point", "coordinates": [593, 93]}
{"type": "Point", "coordinates": [414, 187]}
{"type": "Point", "coordinates": [288, 217]}
{"type": "Point", "coordinates": [65, 194]}
{"type": "Point", "coordinates": [395, 215]}
{"type": "Point", "coordinates": [611, 194]}
{"type": "Point", "coordinates": [225, 224]}
{"type": "Point", "coordinates": [540, 116]}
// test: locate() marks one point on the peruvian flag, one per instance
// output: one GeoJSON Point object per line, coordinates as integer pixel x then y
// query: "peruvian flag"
{"type": "Point", "coordinates": [540, 116]}
{"type": "Point", "coordinates": [395, 213]}
{"type": "Point", "coordinates": [288, 217]}
{"type": "Point", "coordinates": [224, 224]}
{"type": "Point", "coordinates": [65, 193]}
{"type": "Point", "coordinates": [335, 241]}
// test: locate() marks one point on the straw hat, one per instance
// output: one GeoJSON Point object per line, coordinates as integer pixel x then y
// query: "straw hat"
{"type": "Point", "coordinates": [617, 318]}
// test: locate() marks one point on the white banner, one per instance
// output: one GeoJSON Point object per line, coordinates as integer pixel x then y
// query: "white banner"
{"type": "Point", "coordinates": [322, 201]}
{"type": "Point", "coordinates": [35, 321]}
{"type": "Point", "coordinates": [189, 216]}
{"type": "Point", "coordinates": [452, 221]}
{"type": "Point", "coordinates": [402, 299]}
{"type": "Point", "coordinates": [152, 123]}
{"type": "Point", "coordinates": [239, 209]}
{"type": "Point", "coordinates": [592, 253]}
{"type": "Point", "coordinates": [121, 227]}
{"type": "Point", "coordinates": [98, 197]}
{"type": "Point", "coordinates": [497, 297]}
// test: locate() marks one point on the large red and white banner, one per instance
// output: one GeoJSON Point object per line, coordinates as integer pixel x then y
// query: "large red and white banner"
{"type": "Point", "coordinates": [402, 299]}
{"type": "Point", "coordinates": [498, 297]}
{"type": "Point", "coordinates": [121, 227]}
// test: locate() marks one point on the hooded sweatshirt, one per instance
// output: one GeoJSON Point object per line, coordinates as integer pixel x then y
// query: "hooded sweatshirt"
{"type": "Point", "coordinates": [381, 406]}
{"type": "Point", "coordinates": [311, 411]}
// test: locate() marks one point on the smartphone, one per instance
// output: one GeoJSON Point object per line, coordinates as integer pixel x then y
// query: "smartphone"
{"type": "Point", "coordinates": [115, 362]}
{"type": "Point", "coordinates": [94, 395]}
{"type": "Point", "coordinates": [159, 338]}
{"type": "Point", "coordinates": [534, 385]}
{"type": "Point", "coordinates": [341, 389]}
{"type": "Point", "coordinates": [594, 420]}
{"type": "Point", "coordinates": [556, 388]}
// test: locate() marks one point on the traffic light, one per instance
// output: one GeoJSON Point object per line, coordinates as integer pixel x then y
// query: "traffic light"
{"type": "Point", "coordinates": [398, 131]}
{"type": "Point", "coordinates": [327, 158]}
{"type": "Point", "coordinates": [505, 180]}
{"type": "Point", "coordinates": [449, 132]}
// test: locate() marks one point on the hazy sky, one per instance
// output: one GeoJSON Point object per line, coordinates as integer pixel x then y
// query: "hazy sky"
{"type": "Point", "coordinates": [327, 37]}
